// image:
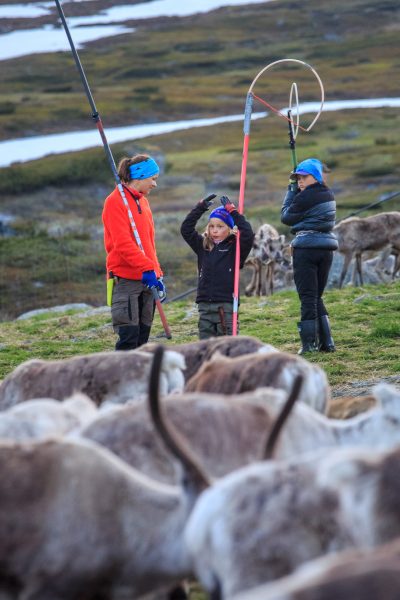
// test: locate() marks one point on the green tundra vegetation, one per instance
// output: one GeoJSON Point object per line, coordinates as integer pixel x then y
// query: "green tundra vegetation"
{"type": "Point", "coordinates": [365, 324]}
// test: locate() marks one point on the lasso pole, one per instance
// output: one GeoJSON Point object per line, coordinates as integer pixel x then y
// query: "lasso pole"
{"type": "Point", "coordinates": [246, 131]}
{"type": "Point", "coordinates": [99, 124]}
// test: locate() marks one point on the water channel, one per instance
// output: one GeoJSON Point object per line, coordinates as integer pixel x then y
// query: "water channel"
{"type": "Point", "coordinates": [25, 149]}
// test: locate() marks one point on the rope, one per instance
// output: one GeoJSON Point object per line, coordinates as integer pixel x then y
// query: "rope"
{"type": "Point", "coordinates": [278, 112]}
{"type": "Point", "coordinates": [372, 205]}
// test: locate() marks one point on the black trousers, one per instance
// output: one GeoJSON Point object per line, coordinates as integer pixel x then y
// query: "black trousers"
{"type": "Point", "coordinates": [311, 268]}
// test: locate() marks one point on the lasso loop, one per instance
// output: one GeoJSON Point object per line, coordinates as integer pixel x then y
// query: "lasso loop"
{"type": "Point", "coordinates": [293, 92]}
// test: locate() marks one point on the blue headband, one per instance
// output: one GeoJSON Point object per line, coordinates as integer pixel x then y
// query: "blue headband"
{"type": "Point", "coordinates": [144, 169]}
{"type": "Point", "coordinates": [223, 215]}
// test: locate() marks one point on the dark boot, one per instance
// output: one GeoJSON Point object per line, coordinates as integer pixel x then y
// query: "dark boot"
{"type": "Point", "coordinates": [326, 343]}
{"type": "Point", "coordinates": [308, 336]}
{"type": "Point", "coordinates": [128, 337]}
{"type": "Point", "coordinates": [144, 334]}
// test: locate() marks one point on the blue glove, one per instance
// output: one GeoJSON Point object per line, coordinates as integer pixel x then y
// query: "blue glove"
{"type": "Point", "coordinates": [150, 280]}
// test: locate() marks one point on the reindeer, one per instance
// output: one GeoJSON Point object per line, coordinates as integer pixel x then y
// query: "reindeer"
{"type": "Point", "coordinates": [78, 522]}
{"type": "Point", "coordinates": [357, 235]}
{"type": "Point", "coordinates": [263, 521]}
{"type": "Point", "coordinates": [106, 377]}
{"type": "Point", "coordinates": [266, 253]}
{"type": "Point", "coordinates": [367, 573]}
{"type": "Point", "coordinates": [198, 352]}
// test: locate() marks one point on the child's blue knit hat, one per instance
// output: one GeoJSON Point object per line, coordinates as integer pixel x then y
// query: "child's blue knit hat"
{"type": "Point", "coordinates": [222, 214]}
{"type": "Point", "coordinates": [310, 166]}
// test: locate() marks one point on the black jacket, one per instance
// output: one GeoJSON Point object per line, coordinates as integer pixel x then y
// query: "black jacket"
{"type": "Point", "coordinates": [311, 214]}
{"type": "Point", "coordinates": [216, 267]}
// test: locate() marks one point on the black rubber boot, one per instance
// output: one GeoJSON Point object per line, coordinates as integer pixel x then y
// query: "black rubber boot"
{"type": "Point", "coordinates": [128, 337]}
{"type": "Point", "coordinates": [326, 343]}
{"type": "Point", "coordinates": [144, 334]}
{"type": "Point", "coordinates": [308, 336]}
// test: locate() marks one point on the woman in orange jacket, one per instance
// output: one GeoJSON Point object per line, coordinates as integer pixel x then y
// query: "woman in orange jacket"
{"type": "Point", "coordinates": [133, 269]}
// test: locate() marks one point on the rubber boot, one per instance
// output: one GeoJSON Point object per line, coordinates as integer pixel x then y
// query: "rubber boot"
{"type": "Point", "coordinates": [326, 343]}
{"type": "Point", "coordinates": [144, 334]}
{"type": "Point", "coordinates": [128, 337]}
{"type": "Point", "coordinates": [308, 336]}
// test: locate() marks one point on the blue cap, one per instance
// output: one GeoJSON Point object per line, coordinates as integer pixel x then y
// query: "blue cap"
{"type": "Point", "coordinates": [310, 166]}
{"type": "Point", "coordinates": [223, 215]}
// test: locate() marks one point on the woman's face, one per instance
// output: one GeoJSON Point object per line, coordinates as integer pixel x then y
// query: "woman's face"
{"type": "Point", "coordinates": [144, 186]}
{"type": "Point", "coordinates": [304, 181]}
{"type": "Point", "coordinates": [218, 230]}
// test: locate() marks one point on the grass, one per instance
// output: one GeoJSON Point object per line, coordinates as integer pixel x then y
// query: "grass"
{"type": "Point", "coordinates": [365, 324]}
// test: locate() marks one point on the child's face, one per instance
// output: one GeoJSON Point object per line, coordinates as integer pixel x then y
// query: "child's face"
{"type": "Point", "coordinates": [304, 181]}
{"type": "Point", "coordinates": [217, 230]}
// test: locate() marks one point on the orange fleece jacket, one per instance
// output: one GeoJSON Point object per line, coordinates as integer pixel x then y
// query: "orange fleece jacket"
{"type": "Point", "coordinates": [124, 257]}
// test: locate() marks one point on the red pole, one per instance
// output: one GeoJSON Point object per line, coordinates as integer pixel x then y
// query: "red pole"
{"type": "Point", "coordinates": [246, 130]}
{"type": "Point", "coordinates": [163, 318]}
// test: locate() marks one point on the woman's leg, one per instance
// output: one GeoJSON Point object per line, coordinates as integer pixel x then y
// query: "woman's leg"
{"type": "Point", "coordinates": [125, 312]}
{"type": "Point", "coordinates": [146, 315]}
{"type": "Point", "coordinates": [305, 269]}
{"type": "Point", "coordinates": [324, 266]}
{"type": "Point", "coordinates": [305, 277]}
{"type": "Point", "coordinates": [326, 343]}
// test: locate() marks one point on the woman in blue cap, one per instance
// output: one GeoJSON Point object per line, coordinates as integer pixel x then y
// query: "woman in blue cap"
{"type": "Point", "coordinates": [216, 251]}
{"type": "Point", "coordinates": [309, 208]}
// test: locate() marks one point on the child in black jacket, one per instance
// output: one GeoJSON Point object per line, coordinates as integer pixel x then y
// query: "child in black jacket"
{"type": "Point", "coordinates": [216, 251]}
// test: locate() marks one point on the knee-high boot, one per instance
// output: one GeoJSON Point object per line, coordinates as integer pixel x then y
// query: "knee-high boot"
{"type": "Point", "coordinates": [308, 336]}
{"type": "Point", "coordinates": [144, 334]}
{"type": "Point", "coordinates": [128, 337]}
{"type": "Point", "coordinates": [326, 343]}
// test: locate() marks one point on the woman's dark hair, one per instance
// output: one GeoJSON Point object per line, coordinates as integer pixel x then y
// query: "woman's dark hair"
{"type": "Point", "coordinates": [125, 163]}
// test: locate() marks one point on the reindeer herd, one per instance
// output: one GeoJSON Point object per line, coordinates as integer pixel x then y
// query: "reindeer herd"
{"type": "Point", "coordinates": [125, 475]}
{"type": "Point", "coordinates": [270, 259]}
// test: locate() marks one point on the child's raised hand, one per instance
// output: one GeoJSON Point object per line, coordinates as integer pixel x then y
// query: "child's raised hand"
{"type": "Point", "coordinates": [206, 202]}
{"type": "Point", "coordinates": [227, 204]}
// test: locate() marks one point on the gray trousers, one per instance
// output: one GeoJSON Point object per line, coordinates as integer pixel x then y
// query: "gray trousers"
{"type": "Point", "coordinates": [132, 312]}
{"type": "Point", "coordinates": [132, 303]}
{"type": "Point", "coordinates": [215, 319]}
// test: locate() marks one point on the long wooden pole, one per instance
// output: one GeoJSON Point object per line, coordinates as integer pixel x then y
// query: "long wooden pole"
{"type": "Point", "coordinates": [246, 130]}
